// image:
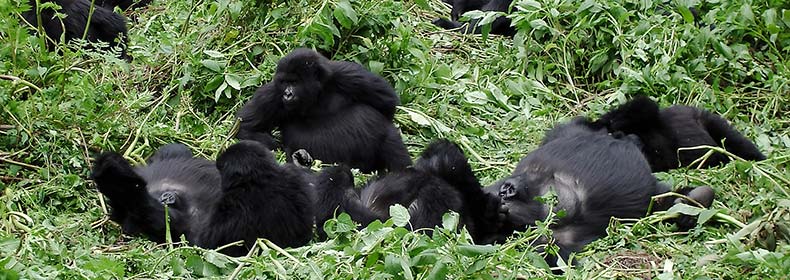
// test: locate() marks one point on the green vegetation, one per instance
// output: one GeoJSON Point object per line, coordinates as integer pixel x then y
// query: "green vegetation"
{"type": "Point", "coordinates": [196, 62]}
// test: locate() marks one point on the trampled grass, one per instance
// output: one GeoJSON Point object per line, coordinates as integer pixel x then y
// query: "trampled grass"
{"type": "Point", "coordinates": [196, 62]}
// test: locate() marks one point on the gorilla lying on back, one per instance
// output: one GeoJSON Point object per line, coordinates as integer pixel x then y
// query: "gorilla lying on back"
{"type": "Point", "coordinates": [245, 196]}
{"type": "Point", "coordinates": [501, 25]}
{"type": "Point", "coordinates": [105, 25]}
{"type": "Point", "coordinates": [663, 132]}
{"type": "Point", "coordinates": [595, 177]}
{"type": "Point", "coordinates": [336, 110]}
{"type": "Point", "coordinates": [441, 180]}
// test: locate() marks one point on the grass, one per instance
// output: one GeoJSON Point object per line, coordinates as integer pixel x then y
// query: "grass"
{"type": "Point", "coordinates": [196, 62]}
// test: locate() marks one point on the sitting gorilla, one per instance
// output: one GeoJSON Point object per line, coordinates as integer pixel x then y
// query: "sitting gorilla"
{"type": "Point", "coordinates": [441, 180]}
{"type": "Point", "coordinates": [336, 110]}
{"type": "Point", "coordinates": [105, 25]}
{"type": "Point", "coordinates": [500, 26]}
{"type": "Point", "coordinates": [246, 195]}
{"type": "Point", "coordinates": [663, 132]}
{"type": "Point", "coordinates": [595, 177]}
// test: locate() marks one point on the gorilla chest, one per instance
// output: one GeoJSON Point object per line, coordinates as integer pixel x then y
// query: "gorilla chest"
{"type": "Point", "coordinates": [334, 134]}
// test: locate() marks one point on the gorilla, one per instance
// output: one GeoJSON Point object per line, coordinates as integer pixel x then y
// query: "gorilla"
{"type": "Point", "coordinates": [336, 110]}
{"type": "Point", "coordinates": [244, 196]}
{"type": "Point", "coordinates": [595, 177]}
{"type": "Point", "coordinates": [105, 25]}
{"type": "Point", "coordinates": [260, 198]}
{"type": "Point", "coordinates": [441, 180]}
{"type": "Point", "coordinates": [663, 132]}
{"type": "Point", "coordinates": [500, 26]}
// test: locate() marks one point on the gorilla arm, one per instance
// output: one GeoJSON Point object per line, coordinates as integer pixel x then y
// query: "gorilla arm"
{"type": "Point", "coordinates": [365, 87]}
{"type": "Point", "coordinates": [261, 115]}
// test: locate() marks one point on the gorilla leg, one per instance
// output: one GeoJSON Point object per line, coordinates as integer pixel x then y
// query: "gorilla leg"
{"type": "Point", "coordinates": [335, 194]}
{"type": "Point", "coordinates": [702, 196]}
{"type": "Point", "coordinates": [392, 154]}
{"type": "Point", "coordinates": [482, 212]}
{"type": "Point", "coordinates": [734, 142]}
{"type": "Point", "coordinates": [638, 114]}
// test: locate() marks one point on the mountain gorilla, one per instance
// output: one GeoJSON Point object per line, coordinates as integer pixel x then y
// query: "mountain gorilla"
{"type": "Point", "coordinates": [595, 177]}
{"type": "Point", "coordinates": [663, 132]}
{"type": "Point", "coordinates": [105, 25]}
{"type": "Point", "coordinates": [441, 180]}
{"type": "Point", "coordinates": [336, 110]}
{"type": "Point", "coordinates": [246, 195]}
{"type": "Point", "coordinates": [500, 25]}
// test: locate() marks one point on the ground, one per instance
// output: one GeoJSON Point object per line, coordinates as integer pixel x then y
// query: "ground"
{"type": "Point", "coordinates": [196, 62]}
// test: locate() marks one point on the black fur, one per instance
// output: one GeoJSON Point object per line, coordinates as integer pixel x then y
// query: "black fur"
{"type": "Point", "coordinates": [105, 25]}
{"type": "Point", "coordinates": [336, 110]}
{"type": "Point", "coordinates": [244, 196]}
{"type": "Point", "coordinates": [441, 180]}
{"type": "Point", "coordinates": [260, 199]}
{"type": "Point", "coordinates": [501, 25]}
{"type": "Point", "coordinates": [595, 177]}
{"type": "Point", "coordinates": [189, 185]}
{"type": "Point", "coordinates": [664, 131]}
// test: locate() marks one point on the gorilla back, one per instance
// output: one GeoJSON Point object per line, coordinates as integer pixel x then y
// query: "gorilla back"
{"type": "Point", "coordinates": [104, 26]}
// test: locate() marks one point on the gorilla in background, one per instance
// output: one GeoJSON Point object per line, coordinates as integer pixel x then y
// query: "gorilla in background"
{"type": "Point", "coordinates": [663, 132]}
{"type": "Point", "coordinates": [595, 177]}
{"type": "Point", "coordinates": [105, 25]}
{"type": "Point", "coordinates": [500, 26]}
{"type": "Point", "coordinates": [337, 110]}
{"type": "Point", "coordinates": [441, 180]}
{"type": "Point", "coordinates": [244, 196]}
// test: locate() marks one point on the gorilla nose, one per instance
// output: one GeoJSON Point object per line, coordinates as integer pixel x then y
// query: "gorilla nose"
{"type": "Point", "coordinates": [168, 198]}
{"type": "Point", "coordinates": [507, 190]}
{"type": "Point", "coordinates": [288, 94]}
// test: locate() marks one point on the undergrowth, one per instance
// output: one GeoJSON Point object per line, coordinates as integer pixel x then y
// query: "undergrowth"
{"type": "Point", "coordinates": [195, 63]}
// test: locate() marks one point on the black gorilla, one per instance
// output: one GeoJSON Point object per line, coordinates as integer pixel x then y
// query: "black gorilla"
{"type": "Point", "coordinates": [259, 198]}
{"type": "Point", "coordinates": [663, 132]}
{"type": "Point", "coordinates": [246, 195]}
{"type": "Point", "coordinates": [188, 185]}
{"type": "Point", "coordinates": [441, 180]}
{"type": "Point", "coordinates": [336, 110]}
{"type": "Point", "coordinates": [105, 25]}
{"type": "Point", "coordinates": [501, 25]}
{"type": "Point", "coordinates": [595, 177]}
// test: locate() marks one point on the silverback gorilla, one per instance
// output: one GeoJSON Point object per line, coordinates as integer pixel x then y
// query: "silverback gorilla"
{"type": "Point", "coordinates": [663, 132]}
{"type": "Point", "coordinates": [440, 181]}
{"type": "Point", "coordinates": [336, 110]}
{"type": "Point", "coordinates": [104, 26]}
{"type": "Point", "coordinates": [595, 177]}
{"type": "Point", "coordinates": [244, 196]}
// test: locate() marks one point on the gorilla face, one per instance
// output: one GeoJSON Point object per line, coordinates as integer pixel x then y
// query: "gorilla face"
{"type": "Point", "coordinates": [519, 199]}
{"type": "Point", "coordinates": [300, 77]}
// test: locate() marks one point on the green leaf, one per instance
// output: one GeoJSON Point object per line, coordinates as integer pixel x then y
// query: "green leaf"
{"type": "Point", "coordinates": [213, 54]}
{"type": "Point", "coordinates": [400, 215]}
{"type": "Point", "coordinates": [471, 250]}
{"type": "Point", "coordinates": [213, 65]}
{"type": "Point", "coordinates": [233, 81]}
{"type": "Point", "coordinates": [450, 220]}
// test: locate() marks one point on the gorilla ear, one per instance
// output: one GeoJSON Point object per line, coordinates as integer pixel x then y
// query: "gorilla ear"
{"type": "Point", "coordinates": [323, 69]}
